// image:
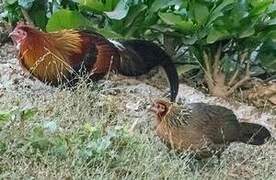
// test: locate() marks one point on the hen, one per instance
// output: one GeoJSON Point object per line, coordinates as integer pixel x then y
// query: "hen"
{"type": "Point", "coordinates": [203, 129]}
{"type": "Point", "coordinates": [64, 56]}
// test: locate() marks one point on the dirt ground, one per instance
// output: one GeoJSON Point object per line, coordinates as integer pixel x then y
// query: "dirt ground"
{"type": "Point", "coordinates": [132, 92]}
{"type": "Point", "coordinates": [128, 106]}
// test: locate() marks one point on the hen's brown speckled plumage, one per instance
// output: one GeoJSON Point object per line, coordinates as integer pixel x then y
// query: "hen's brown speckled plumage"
{"type": "Point", "coordinates": [203, 129]}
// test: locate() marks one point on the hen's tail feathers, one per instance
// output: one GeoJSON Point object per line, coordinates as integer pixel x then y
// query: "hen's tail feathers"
{"type": "Point", "coordinates": [254, 134]}
{"type": "Point", "coordinates": [139, 57]}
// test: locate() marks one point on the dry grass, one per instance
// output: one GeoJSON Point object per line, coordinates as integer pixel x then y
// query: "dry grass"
{"type": "Point", "coordinates": [101, 131]}
{"type": "Point", "coordinates": [85, 134]}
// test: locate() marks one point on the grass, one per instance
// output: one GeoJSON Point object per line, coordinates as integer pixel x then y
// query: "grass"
{"type": "Point", "coordinates": [87, 133]}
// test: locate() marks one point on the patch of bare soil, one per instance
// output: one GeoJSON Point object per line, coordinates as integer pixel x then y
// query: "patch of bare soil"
{"type": "Point", "coordinates": [262, 94]}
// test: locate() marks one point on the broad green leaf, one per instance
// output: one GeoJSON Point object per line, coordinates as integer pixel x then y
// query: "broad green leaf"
{"type": "Point", "coordinates": [99, 5]}
{"type": "Point", "coordinates": [247, 32]}
{"type": "Point", "coordinates": [240, 10]}
{"type": "Point", "coordinates": [40, 19]}
{"type": "Point", "coordinates": [260, 3]}
{"type": "Point", "coordinates": [271, 35]}
{"type": "Point", "coordinates": [134, 12]}
{"type": "Point", "coordinates": [271, 21]}
{"type": "Point", "coordinates": [108, 33]}
{"type": "Point", "coordinates": [170, 18]}
{"type": "Point", "coordinates": [201, 13]}
{"type": "Point", "coordinates": [218, 11]}
{"type": "Point", "coordinates": [269, 62]}
{"type": "Point", "coordinates": [10, 1]}
{"type": "Point", "coordinates": [177, 21]}
{"type": "Point", "coordinates": [26, 4]}
{"type": "Point", "coordinates": [120, 11]}
{"type": "Point", "coordinates": [189, 40]}
{"type": "Point", "coordinates": [271, 9]}
{"type": "Point", "coordinates": [160, 4]}
{"type": "Point", "coordinates": [185, 26]}
{"type": "Point", "coordinates": [66, 19]}
{"type": "Point", "coordinates": [38, 14]}
{"type": "Point", "coordinates": [215, 35]}
{"type": "Point", "coordinates": [260, 6]}
{"type": "Point", "coordinates": [267, 55]}
{"type": "Point", "coordinates": [135, 22]}
{"type": "Point", "coordinates": [13, 13]}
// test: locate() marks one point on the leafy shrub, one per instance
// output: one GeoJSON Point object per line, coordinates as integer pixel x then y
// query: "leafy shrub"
{"type": "Point", "coordinates": [222, 37]}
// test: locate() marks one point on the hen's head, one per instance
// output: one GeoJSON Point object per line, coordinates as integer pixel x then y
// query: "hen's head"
{"type": "Point", "coordinates": [161, 108]}
{"type": "Point", "coordinates": [21, 32]}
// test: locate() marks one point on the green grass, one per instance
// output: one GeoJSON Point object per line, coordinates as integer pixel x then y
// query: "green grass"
{"type": "Point", "coordinates": [85, 133]}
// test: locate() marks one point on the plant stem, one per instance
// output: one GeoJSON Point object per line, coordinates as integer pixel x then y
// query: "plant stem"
{"type": "Point", "coordinates": [27, 17]}
{"type": "Point", "coordinates": [207, 71]}
{"type": "Point", "coordinates": [234, 77]}
{"type": "Point", "coordinates": [216, 61]}
{"type": "Point", "coordinates": [243, 80]}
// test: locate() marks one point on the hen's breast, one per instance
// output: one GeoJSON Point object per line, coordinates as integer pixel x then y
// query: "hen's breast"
{"type": "Point", "coordinates": [180, 138]}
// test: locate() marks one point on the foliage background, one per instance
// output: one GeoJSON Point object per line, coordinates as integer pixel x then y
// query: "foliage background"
{"type": "Point", "coordinates": [223, 42]}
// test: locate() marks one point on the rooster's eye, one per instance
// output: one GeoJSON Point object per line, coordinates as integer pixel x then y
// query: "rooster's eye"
{"type": "Point", "coordinates": [20, 32]}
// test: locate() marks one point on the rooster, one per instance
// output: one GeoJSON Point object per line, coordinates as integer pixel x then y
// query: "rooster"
{"type": "Point", "coordinates": [203, 129]}
{"type": "Point", "coordinates": [62, 57]}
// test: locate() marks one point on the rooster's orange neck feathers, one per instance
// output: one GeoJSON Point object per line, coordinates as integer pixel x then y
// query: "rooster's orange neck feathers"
{"type": "Point", "coordinates": [49, 52]}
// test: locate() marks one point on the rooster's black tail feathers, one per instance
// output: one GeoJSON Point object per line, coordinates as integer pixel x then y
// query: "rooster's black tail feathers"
{"type": "Point", "coordinates": [139, 57]}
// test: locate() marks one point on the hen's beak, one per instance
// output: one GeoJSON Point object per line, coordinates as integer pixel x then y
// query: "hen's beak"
{"type": "Point", "coordinates": [153, 108]}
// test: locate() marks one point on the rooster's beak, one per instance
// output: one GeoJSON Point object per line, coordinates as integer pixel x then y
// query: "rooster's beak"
{"type": "Point", "coordinates": [11, 34]}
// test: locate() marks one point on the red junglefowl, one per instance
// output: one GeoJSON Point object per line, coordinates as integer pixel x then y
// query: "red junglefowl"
{"type": "Point", "coordinates": [61, 57]}
{"type": "Point", "coordinates": [203, 129]}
